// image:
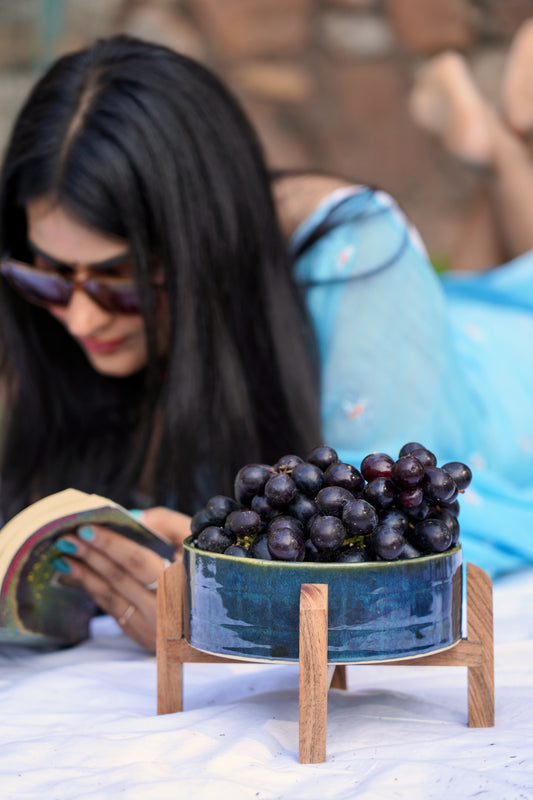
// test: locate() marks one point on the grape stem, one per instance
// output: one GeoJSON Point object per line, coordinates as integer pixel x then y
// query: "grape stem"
{"type": "Point", "coordinates": [359, 540]}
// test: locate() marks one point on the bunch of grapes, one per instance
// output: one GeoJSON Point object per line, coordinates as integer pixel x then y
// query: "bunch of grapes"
{"type": "Point", "coordinates": [323, 509]}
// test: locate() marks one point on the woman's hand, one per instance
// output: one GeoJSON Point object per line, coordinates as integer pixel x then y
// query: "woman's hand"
{"type": "Point", "coordinates": [172, 525]}
{"type": "Point", "coordinates": [120, 575]}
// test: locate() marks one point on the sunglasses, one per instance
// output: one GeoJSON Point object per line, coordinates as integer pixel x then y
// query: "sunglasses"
{"type": "Point", "coordinates": [44, 287]}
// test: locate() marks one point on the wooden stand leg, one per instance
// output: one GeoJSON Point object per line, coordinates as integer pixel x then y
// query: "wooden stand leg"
{"type": "Point", "coordinates": [169, 627]}
{"type": "Point", "coordinates": [313, 672]}
{"type": "Point", "coordinates": [339, 678]}
{"type": "Point", "coordinates": [480, 629]}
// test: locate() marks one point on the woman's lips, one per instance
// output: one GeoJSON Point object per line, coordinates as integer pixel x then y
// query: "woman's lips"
{"type": "Point", "coordinates": [101, 345]}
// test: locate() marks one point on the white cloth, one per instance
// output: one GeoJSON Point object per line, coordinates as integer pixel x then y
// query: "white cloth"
{"type": "Point", "coordinates": [82, 723]}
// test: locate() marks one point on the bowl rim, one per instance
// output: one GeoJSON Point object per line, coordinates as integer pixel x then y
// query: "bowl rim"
{"type": "Point", "coordinates": [318, 565]}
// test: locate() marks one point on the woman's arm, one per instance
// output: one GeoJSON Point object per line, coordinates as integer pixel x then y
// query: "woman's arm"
{"type": "Point", "coordinates": [297, 195]}
{"type": "Point", "coordinates": [390, 372]}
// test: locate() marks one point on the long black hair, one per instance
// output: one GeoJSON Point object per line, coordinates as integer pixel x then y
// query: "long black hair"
{"type": "Point", "coordinates": [137, 141]}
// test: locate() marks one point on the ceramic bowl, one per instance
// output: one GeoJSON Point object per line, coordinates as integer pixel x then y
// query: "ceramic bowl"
{"type": "Point", "coordinates": [377, 611]}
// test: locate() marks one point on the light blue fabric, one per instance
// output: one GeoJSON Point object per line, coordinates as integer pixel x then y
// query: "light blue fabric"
{"type": "Point", "coordinates": [409, 356]}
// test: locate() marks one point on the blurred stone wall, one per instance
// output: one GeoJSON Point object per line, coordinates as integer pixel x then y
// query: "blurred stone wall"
{"type": "Point", "coordinates": [325, 81]}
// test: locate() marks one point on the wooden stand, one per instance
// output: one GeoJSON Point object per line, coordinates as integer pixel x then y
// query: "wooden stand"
{"type": "Point", "coordinates": [476, 652]}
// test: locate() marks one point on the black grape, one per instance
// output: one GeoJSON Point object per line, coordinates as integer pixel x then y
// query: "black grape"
{"type": "Point", "coordinates": [327, 533]}
{"type": "Point", "coordinates": [215, 540]}
{"type": "Point", "coordinates": [408, 448]}
{"type": "Point", "coordinates": [450, 520]}
{"type": "Point", "coordinates": [345, 475]}
{"type": "Point", "coordinates": [407, 472]}
{"type": "Point", "coordinates": [409, 551]}
{"type": "Point", "coordinates": [218, 508]}
{"type": "Point", "coordinates": [263, 507]}
{"type": "Point", "coordinates": [394, 518]}
{"type": "Point", "coordinates": [376, 465]}
{"type": "Point", "coordinates": [350, 554]}
{"type": "Point", "coordinates": [380, 492]}
{"type": "Point", "coordinates": [359, 518]}
{"type": "Point", "coordinates": [285, 521]}
{"type": "Point", "coordinates": [387, 542]}
{"type": "Point", "coordinates": [259, 547]}
{"type": "Point", "coordinates": [237, 550]}
{"type": "Point", "coordinates": [461, 474]}
{"type": "Point", "coordinates": [287, 463]}
{"type": "Point", "coordinates": [311, 552]}
{"type": "Point", "coordinates": [302, 507]}
{"type": "Point", "coordinates": [322, 456]}
{"type": "Point", "coordinates": [199, 521]}
{"type": "Point", "coordinates": [332, 499]}
{"type": "Point", "coordinates": [286, 545]}
{"type": "Point", "coordinates": [243, 523]}
{"type": "Point", "coordinates": [411, 498]}
{"type": "Point", "coordinates": [431, 535]}
{"type": "Point", "coordinates": [420, 511]}
{"type": "Point", "coordinates": [453, 507]}
{"type": "Point", "coordinates": [454, 495]}
{"type": "Point", "coordinates": [279, 490]}
{"type": "Point", "coordinates": [426, 457]}
{"type": "Point", "coordinates": [438, 485]}
{"type": "Point", "coordinates": [250, 480]}
{"type": "Point", "coordinates": [308, 478]}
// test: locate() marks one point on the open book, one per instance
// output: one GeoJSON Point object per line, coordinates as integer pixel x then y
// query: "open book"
{"type": "Point", "coordinates": [38, 605]}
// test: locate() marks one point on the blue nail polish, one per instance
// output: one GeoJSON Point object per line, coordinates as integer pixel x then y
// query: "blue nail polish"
{"type": "Point", "coordinates": [136, 512]}
{"type": "Point", "coordinates": [61, 565]}
{"type": "Point", "coordinates": [86, 533]}
{"type": "Point", "coordinates": [64, 546]}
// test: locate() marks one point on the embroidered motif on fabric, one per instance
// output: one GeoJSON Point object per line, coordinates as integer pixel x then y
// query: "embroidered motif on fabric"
{"type": "Point", "coordinates": [526, 443]}
{"type": "Point", "coordinates": [477, 462]}
{"type": "Point", "coordinates": [344, 257]}
{"type": "Point", "coordinates": [474, 332]}
{"type": "Point", "coordinates": [353, 410]}
{"type": "Point", "coordinates": [472, 498]}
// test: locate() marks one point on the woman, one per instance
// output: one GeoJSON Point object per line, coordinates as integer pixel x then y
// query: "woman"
{"type": "Point", "coordinates": [188, 338]}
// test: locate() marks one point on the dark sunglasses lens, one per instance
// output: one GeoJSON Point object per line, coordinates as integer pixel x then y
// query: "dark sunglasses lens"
{"type": "Point", "coordinates": [38, 287]}
{"type": "Point", "coordinates": [119, 297]}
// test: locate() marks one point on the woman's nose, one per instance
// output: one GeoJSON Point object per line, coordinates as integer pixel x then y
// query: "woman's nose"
{"type": "Point", "coordinates": [82, 316]}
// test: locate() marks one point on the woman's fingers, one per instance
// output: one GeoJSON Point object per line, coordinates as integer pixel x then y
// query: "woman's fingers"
{"type": "Point", "coordinates": [116, 593]}
{"type": "Point", "coordinates": [134, 559]}
{"type": "Point", "coordinates": [118, 574]}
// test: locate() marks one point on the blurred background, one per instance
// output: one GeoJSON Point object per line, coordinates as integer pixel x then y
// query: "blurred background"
{"type": "Point", "coordinates": [325, 81]}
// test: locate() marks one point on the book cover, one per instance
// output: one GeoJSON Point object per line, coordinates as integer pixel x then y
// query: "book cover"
{"type": "Point", "coordinates": [38, 605]}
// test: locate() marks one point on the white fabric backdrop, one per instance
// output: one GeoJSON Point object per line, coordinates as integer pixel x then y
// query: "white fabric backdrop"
{"type": "Point", "coordinates": [82, 723]}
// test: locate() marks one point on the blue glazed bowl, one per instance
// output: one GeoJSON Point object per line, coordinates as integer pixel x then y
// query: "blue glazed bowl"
{"type": "Point", "coordinates": [377, 611]}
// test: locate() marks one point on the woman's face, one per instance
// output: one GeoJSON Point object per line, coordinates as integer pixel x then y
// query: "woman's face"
{"type": "Point", "coordinates": [115, 343]}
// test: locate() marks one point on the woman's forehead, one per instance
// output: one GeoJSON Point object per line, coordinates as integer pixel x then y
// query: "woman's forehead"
{"type": "Point", "coordinates": [56, 233]}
